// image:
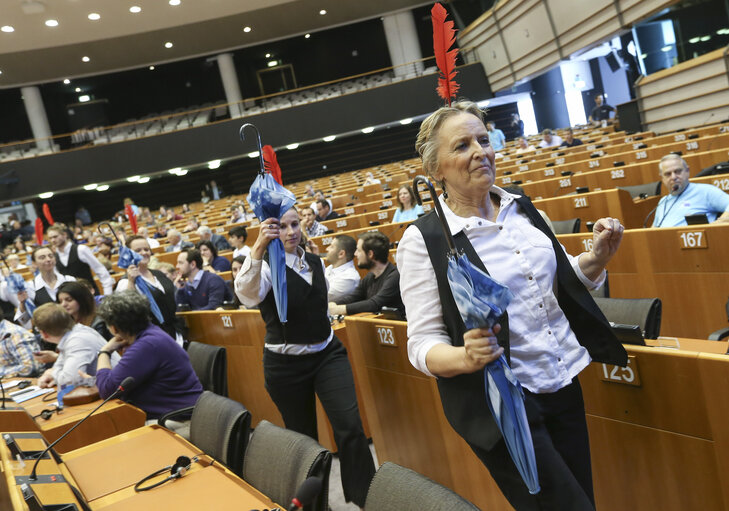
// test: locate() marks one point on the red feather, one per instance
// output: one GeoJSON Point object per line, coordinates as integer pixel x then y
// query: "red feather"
{"type": "Point", "coordinates": [132, 217]}
{"type": "Point", "coordinates": [39, 230]}
{"type": "Point", "coordinates": [47, 213]}
{"type": "Point", "coordinates": [271, 163]}
{"type": "Point", "coordinates": [444, 36]}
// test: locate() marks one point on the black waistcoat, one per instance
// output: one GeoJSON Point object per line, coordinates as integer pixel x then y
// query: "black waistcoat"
{"type": "Point", "coordinates": [42, 297]}
{"type": "Point", "coordinates": [464, 396]}
{"type": "Point", "coordinates": [76, 267]}
{"type": "Point", "coordinates": [308, 316]}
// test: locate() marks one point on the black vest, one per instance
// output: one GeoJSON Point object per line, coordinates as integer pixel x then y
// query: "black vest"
{"type": "Point", "coordinates": [166, 303]}
{"type": "Point", "coordinates": [76, 267]}
{"type": "Point", "coordinates": [42, 297]}
{"type": "Point", "coordinates": [308, 308]}
{"type": "Point", "coordinates": [464, 396]}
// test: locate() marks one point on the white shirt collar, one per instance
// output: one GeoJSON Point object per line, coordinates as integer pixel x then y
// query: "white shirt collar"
{"type": "Point", "coordinates": [348, 266]}
{"type": "Point", "coordinates": [296, 261]}
{"type": "Point", "coordinates": [458, 223]}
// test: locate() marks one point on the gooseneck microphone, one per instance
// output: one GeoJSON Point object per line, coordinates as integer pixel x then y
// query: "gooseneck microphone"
{"type": "Point", "coordinates": [306, 493]}
{"type": "Point", "coordinates": [123, 387]}
{"type": "Point", "coordinates": [2, 387]}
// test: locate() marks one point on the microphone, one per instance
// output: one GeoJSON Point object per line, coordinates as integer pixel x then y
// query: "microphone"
{"type": "Point", "coordinates": [2, 387]}
{"type": "Point", "coordinates": [675, 188]}
{"type": "Point", "coordinates": [645, 222]}
{"type": "Point", "coordinates": [306, 493]}
{"type": "Point", "coordinates": [125, 384]}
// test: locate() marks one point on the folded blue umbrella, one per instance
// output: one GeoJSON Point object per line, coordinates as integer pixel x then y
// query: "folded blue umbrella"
{"type": "Point", "coordinates": [481, 300]}
{"type": "Point", "coordinates": [127, 257]}
{"type": "Point", "coordinates": [16, 284]}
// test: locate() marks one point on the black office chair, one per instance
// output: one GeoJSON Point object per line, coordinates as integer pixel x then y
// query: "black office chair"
{"type": "Point", "coordinates": [644, 190]}
{"type": "Point", "coordinates": [210, 365]}
{"type": "Point", "coordinates": [396, 488]}
{"type": "Point", "coordinates": [722, 333]}
{"type": "Point", "coordinates": [570, 226]}
{"type": "Point", "coordinates": [644, 312]}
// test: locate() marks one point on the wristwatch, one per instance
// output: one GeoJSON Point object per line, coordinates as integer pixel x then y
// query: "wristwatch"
{"type": "Point", "coordinates": [104, 351]}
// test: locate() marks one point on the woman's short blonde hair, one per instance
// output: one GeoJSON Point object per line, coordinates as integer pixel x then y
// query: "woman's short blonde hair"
{"type": "Point", "coordinates": [427, 142]}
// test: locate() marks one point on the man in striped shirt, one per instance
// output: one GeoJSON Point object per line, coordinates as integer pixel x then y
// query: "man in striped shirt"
{"type": "Point", "coordinates": [16, 351]}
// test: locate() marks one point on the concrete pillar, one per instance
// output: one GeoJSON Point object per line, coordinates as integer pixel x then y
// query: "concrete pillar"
{"type": "Point", "coordinates": [37, 117]}
{"type": "Point", "coordinates": [230, 84]}
{"type": "Point", "coordinates": [402, 42]}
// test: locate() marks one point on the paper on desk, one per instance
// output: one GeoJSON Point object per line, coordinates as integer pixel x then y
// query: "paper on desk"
{"type": "Point", "coordinates": [25, 396]}
{"type": "Point", "coordinates": [11, 384]}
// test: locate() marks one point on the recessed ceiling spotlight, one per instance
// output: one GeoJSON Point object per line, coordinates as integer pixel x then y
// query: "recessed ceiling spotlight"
{"type": "Point", "coordinates": [406, 121]}
{"type": "Point", "coordinates": [7, 29]}
{"type": "Point", "coordinates": [174, 2]}
{"type": "Point", "coordinates": [90, 187]}
{"type": "Point", "coordinates": [102, 188]}
{"type": "Point", "coordinates": [307, 36]}
{"type": "Point", "coordinates": [254, 154]}
{"type": "Point", "coordinates": [323, 12]}
{"type": "Point", "coordinates": [66, 81]}
{"type": "Point", "coordinates": [1, 72]}
{"type": "Point", "coordinates": [292, 146]}
{"type": "Point", "coordinates": [246, 29]}
{"type": "Point", "coordinates": [369, 129]}
{"type": "Point", "coordinates": [151, 68]}
{"type": "Point", "coordinates": [330, 138]}
{"type": "Point", "coordinates": [84, 98]}
{"type": "Point", "coordinates": [133, 179]}
{"type": "Point", "coordinates": [168, 45]}
{"type": "Point", "coordinates": [272, 63]}
{"type": "Point", "coordinates": [134, 9]}
{"type": "Point", "coordinates": [143, 180]}
{"type": "Point", "coordinates": [51, 23]}
{"type": "Point", "coordinates": [268, 55]}
{"type": "Point", "coordinates": [214, 164]}
{"type": "Point", "coordinates": [78, 89]}
{"type": "Point", "coordinates": [85, 59]}
{"type": "Point", "coordinates": [94, 16]}
{"type": "Point", "coordinates": [46, 195]}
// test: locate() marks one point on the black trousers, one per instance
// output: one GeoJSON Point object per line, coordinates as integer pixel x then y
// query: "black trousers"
{"type": "Point", "coordinates": [562, 449]}
{"type": "Point", "coordinates": [292, 381]}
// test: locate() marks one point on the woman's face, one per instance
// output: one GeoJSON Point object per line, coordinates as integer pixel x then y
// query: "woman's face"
{"type": "Point", "coordinates": [290, 233]}
{"type": "Point", "coordinates": [465, 157]}
{"type": "Point", "coordinates": [20, 245]}
{"type": "Point", "coordinates": [404, 195]}
{"type": "Point", "coordinates": [205, 252]}
{"type": "Point", "coordinates": [141, 247]}
{"type": "Point", "coordinates": [235, 268]}
{"type": "Point", "coordinates": [69, 304]}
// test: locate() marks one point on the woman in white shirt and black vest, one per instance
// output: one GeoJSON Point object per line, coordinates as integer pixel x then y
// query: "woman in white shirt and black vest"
{"type": "Point", "coordinates": [304, 357]}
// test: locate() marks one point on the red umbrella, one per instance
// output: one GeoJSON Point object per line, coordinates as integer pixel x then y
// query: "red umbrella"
{"type": "Point", "coordinates": [47, 213]}
{"type": "Point", "coordinates": [39, 230]}
{"type": "Point", "coordinates": [132, 217]}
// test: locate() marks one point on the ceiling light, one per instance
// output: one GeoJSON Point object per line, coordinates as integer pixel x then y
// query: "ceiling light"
{"type": "Point", "coordinates": [94, 16]}
{"type": "Point", "coordinates": [171, 171]}
{"type": "Point", "coordinates": [134, 9]}
{"type": "Point", "coordinates": [78, 89]}
{"type": "Point", "coordinates": [666, 48]}
{"type": "Point", "coordinates": [51, 23]}
{"type": "Point", "coordinates": [215, 164]}
{"type": "Point", "coordinates": [143, 180]}
{"type": "Point", "coordinates": [66, 81]}
{"type": "Point", "coordinates": [84, 98]}
{"type": "Point", "coordinates": [174, 2]}
{"type": "Point", "coordinates": [182, 172]}
{"type": "Point", "coordinates": [1, 72]}
{"type": "Point", "coordinates": [254, 154]}
{"type": "Point", "coordinates": [291, 147]}
{"type": "Point", "coordinates": [369, 129]}
{"type": "Point", "coordinates": [694, 40]}
{"type": "Point", "coordinates": [133, 179]}
{"type": "Point", "coordinates": [705, 38]}
{"type": "Point", "coordinates": [102, 188]}
{"type": "Point", "coordinates": [272, 63]}
{"type": "Point", "coordinates": [90, 187]}
{"type": "Point", "coordinates": [246, 29]}
{"type": "Point", "coordinates": [151, 68]}
{"type": "Point", "coordinates": [168, 45]}
{"type": "Point", "coordinates": [329, 138]}
{"type": "Point", "coordinates": [46, 195]}
{"type": "Point", "coordinates": [307, 36]}
{"type": "Point", "coordinates": [85, 59]}
{"type": "Point", "coordinates": [406, 121]}
{"type": "Point", "coordinates": [7, 29]}
{"type": "Point", "coordinates": [323, 12]}
{"type": "Point", "coordinates": [268, 55]}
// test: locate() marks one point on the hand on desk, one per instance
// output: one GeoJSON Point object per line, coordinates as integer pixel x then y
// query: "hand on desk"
{"type": "Point", "coordinates": [46, 380]}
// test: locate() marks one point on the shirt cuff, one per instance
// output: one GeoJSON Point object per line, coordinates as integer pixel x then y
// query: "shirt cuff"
{"type": "Point", "coordinates": [420, 352]}
{"type": "Point", "coordinates": [591, 285]}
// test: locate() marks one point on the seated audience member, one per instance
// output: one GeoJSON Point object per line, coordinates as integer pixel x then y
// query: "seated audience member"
{"type": "Point", "coordinates": [237, 216]}
{"type": "Point", "coordinates": [341, 275]}
{"type": "Point", "coordinates": [496, 137]}
{"type": "Point", "coordinates": [211, 260]}
{"type": "Point", "coordinates": [162, 214]}
{"type": "Point", "coordinates": [161, 231]}
{"type": "Point", "coordinates": [409, 208]}
{"type": "Point", "coordinates": [319, 195]}
{"type": "Point", "coordinates": [163, 376]}
{"type": "Point", "coordinates": [238, 236]}
{"type": "Point", "coordinates": [76, 299]}
{"type": "Point", "coordinates": [549, 139]}
{"type": "Point", "coordinates": [77, 346]}
{"type": "Point", "coordinates": [522, 146]}
{"type": "Point", "coordinates": [176, 243]}
{"type": "Point", "coordinates": [371, 180]}
{"type": "Point", "coordinates": [172, 216]}
{"type": "Point", "coordinates": [324, 211]}
{"type": "Point", "coordinates": [186, 208]}
{"type": "Point", "coordinates": [206, 234]}
{"type": "Point", "coordinates": [104, 250]}
{"type": "Point", "coordinates": [312, 228]}
{"type": "Point", "coordinates": [601, 112]}
{"type": "Point", "coordinates": [380, 287]}
{"type": "Point", "coordinates": [144, 233]}
{"type": "Point", "coordinates": [191, 226]}
{"type": "Point", "coordinates": [159, 285]}
{"type": "Point", "coordinates": [309, 191]}
{"type": "Point", "coordinates": [17, 346]}
{"type": "Point", "coordinates": [197, 288]}
{"type": "Point", "coordinates": [14, 263]}
{"type": "Point", "coordinates": [570, 140]}
{"type": "Point", "coordinates": [686, 198]}
{"type": "Point", "coordinates": [235, 267]}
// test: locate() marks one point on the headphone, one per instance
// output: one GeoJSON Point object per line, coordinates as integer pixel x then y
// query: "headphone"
{"type": "Point", "coordinates": [177, 470]}
{"type": "Point", "coordinates": [48, 413]}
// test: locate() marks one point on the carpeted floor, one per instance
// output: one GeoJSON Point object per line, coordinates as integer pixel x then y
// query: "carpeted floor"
{"type": "Point", "coordinates": [336, 494]}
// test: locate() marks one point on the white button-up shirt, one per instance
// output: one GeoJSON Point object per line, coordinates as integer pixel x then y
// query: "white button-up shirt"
{"type": "Point", "coordinates": [342, 280]}
{"type": "Point", "coordinates": [86, 256]}
{"type": "Point", "coordinates": [545, 354]}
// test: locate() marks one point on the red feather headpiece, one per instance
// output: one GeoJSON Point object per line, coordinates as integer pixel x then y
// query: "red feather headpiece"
{"type": "Point", "coordinates": [132, 217]}
{"type": "Point", "coordinates": [271, 163]}
{"type": "Point", "coordinates": [39, 230]}
{"type": "Point", "coordinates": [47, 213]}
{"type": "Point", "coordinates": [444, 36]}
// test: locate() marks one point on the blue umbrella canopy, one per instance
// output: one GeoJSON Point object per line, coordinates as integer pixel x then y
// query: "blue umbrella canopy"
{"type": "Point", "coordinates": [268, 199]}
{"type": "Point", "coordinates": [481, 300]}
{"type": "Point", "coordinates": [16, 284]}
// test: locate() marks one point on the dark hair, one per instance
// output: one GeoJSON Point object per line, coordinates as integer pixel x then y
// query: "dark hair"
{"type": "Point", "coordinates": [324, 203]}
{"type": "Point", "coordinates": [239, 259]}
{"type": "Point", "coordinates": [81, 293]}
{"type": "Point", "coordinates": [134, 238]}
{"type": "Point", "coordinates": [348, 244]}
{"type": "Point", "coordinates": [210, 245]}
{"type": "Point", "coordinates": [127, 311]}
{"type": "Point", "coordinates": [37, 249]}
{"type": "Point", "coordinates": [193, 254]}
{"type": "Point", "coordinates": [238, 231]}
{"type": "Point", "coordinates": [413, 200]}
{"type": "Point", "coordinates": [378, 243]}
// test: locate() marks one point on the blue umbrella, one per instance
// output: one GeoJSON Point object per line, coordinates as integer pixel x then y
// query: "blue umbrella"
{"type": "Point", "coordinates": [16, 284]}
{"type": "Point", "coordinates": [128, 257]}
{"type": "Point", "coordinates": [269, 199]}
{"type": "Point", "coordinates": [481, 300]}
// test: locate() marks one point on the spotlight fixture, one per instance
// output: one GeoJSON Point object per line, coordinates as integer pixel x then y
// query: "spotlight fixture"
{"type": "Point", "coordinates": [135, 9]}
{"type": "Point", "coordinates": [45, 195]}
{"type": "Point", "coordinates": [151, 68]}
{"type": "Point", "coordinates": [90, 187]}
{"type": "Point", "coordinates": [268, 55]}
{"type": "Point", "coordinates": [77, 89]}
{"type": "Point", "coordinates": [85, 59]}
{"type": "Point", "coordinates": [293, 146]}
{"type": "Point", "coordinates": [307, 36]}
{"type": "Point", "coordinates": [215, 164]}
{"type": "Point", "coordinates": [369, 129]}
{"type": "Point", "coordinates": [254, 154]}
{"type": "Point", "coordinates": [174, 2]}
{"type": "Point", "coordinates": [102, 188]}
{"type": "Point", "coordinates": [406, 121]}
{"type": "Point", "coordinates": [7, 29]}
{"type": "Point", "coordinates": [66, 81]}
{"type": "Point", "coordinates": [133, 179]}
{"type": "Point", "coordinates": [323, 12]}
{"type": "Point", "coordinates": [246, 29]}
{"type": "Point", "coordinates": [84, 98]}
{"type": "Point", "coordinates": [51, 23]}
{"type": "Point", "coordinates": [94, 16]}
{"type": "Point", "coordinates": [330, 138]}
{"type": "Point", "coordinates": [168, 45]}
{"type": "Point", "coordinates": [143, 180]}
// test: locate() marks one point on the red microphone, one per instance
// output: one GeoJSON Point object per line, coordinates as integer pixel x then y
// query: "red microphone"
{"type": "Point", "coordinates": [306, 493]}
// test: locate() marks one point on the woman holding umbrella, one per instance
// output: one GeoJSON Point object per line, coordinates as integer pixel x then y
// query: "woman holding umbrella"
{"type": "Point", "coordinates": [549, 339]}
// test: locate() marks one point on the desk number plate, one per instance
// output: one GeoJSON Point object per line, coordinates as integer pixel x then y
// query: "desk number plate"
{"type": "Point", "coordinates": [693, 239]}
{"type": "Point", "coordinates": [627, 375]}
{"type": "Point", "coordinates": [385, 335]}
{"type": "Point", "coordinates": [227, 321]}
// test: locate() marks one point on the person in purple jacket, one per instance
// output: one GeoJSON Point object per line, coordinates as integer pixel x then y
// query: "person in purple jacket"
{"type": "Point", "coordinates": [163, 376]}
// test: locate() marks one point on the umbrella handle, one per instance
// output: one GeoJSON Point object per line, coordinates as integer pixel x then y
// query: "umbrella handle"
{"type": "Point", "coordinates": [98, 227]}
{"type": "Point", "coordinates": [260, 147]}
{"type": "Point", "coordinates": [446, 229]}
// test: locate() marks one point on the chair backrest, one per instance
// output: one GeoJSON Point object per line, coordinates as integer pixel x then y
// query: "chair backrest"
{"type": "Point", "coordinates": [566, 226]}
{"type": "Point", "coordinates": [210, 365]}
{"type": "Point", "coordinates": [278, 460]}
{"type": "Point", "coordinates": [396, 488]}
{"type": "Point", "coordinates": [649, 189]}
{"type": "Point", "coordinates": [644, 312]}
{"type": "Point", "coordinates": [220, 427]}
